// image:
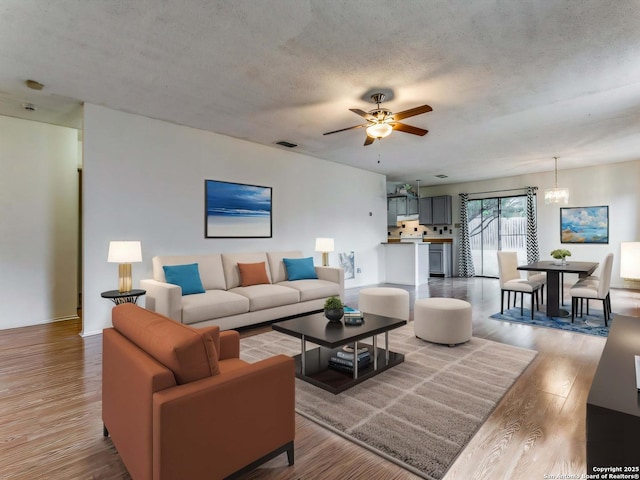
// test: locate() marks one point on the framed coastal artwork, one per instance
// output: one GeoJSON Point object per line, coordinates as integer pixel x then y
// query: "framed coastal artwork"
{"type": "Point", "coordinates": [236, 210]}
{"type": "Point", "coordinates": [584, 224]}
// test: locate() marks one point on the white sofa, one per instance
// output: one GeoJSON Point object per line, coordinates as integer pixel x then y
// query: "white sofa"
{"type": "Point", "coordinates": [226, 302]}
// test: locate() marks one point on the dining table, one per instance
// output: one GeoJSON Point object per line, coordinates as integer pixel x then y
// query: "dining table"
{"type": "Point", "coordinates": [553, 270]}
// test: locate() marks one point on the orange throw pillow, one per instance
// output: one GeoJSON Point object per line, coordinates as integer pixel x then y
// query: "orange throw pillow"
{"type": "Point", "coordinates": [253, 274]}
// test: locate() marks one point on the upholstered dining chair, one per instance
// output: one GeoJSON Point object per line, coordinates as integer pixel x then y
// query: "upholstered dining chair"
{"type": "Point", "coordinates": [538, 277]}
{"type": "Point", "coordinates": [511, 281]}
{"type": "Point", "coordinates": [594, 288]}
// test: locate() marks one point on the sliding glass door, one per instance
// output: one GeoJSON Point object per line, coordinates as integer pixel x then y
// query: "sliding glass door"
{"type": "Point", "coordinates": [495, 224]}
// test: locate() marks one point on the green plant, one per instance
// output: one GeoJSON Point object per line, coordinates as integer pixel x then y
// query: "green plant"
{"type": "Point", "coordinates": [560, 253]}
{"type": "Point", "coordinates": [333, 303]}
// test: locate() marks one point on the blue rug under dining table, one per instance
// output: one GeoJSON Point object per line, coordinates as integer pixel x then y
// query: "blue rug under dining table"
{"type": "Point", "coordinates": [592, 324]}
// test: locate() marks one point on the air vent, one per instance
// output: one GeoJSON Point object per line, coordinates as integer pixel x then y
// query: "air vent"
{"type": "Point", "coordinates": [442, 176]}
{"type": "Point", "coordinates": [286, 144]}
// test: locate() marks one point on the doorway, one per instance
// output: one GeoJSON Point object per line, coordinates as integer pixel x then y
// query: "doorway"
{"type": "Point", "coordinates": [495, 224]}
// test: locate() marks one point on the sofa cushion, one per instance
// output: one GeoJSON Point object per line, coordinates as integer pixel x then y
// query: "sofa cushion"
{"type": "Point", "coordinates": [209, 266]}
{"type": "Point", "coordinates": [313, 289]}
{"type": "Point", "coordinates": [189, 353]}
{"type": "Point", "coordinates": [212, 304]}
{"type": "Point", "coordinates": [253, 274]}
{"type": "Point", "coordinates": [230, 266]}
{"type": "Point", "coordinates": [268, 296]}
{"type": "Point", "coordinates": [300, 268]}
{"type": "Point", "coordinates": [187, 277]}
{"type": "Point", "coordinates": [276, 265]}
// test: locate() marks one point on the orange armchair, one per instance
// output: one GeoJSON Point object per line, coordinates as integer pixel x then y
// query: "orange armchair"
{"type": "Point", "coordinates": [178, 402]}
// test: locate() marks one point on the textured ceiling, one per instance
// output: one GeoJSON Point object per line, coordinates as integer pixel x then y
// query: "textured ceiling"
{"type": "Point", "coordinates": [512, 83]}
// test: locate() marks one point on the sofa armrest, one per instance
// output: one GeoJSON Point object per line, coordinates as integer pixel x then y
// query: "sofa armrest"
{"type": "Point", "coordinates": [229, 345]}
{"type": "Point", "coordinates": [332, 274]}
{"type": "Point", "coordinates": [215, 426]}
{"type": "Point", "coordinates": [163, 298]}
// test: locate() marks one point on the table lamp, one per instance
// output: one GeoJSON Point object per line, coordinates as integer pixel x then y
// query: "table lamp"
{"type": "Point", "coordinates": [630, 260]}
{"type": "Point", "coordinates": [124, 253]}
{"type": "Point", "coordinates": [324, 245]}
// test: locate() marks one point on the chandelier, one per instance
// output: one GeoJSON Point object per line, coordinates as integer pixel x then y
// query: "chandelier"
{"type": "Point", "coordinates": [559, 195]}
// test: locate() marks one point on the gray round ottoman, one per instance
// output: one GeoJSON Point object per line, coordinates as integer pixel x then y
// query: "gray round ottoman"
{"type": "Point", "coordinates": [442, 320]}
{"type": "Point", "coordinates": [385, 301]}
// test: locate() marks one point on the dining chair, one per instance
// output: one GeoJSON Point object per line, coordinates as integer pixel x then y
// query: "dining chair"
{"type": "Point", "coordinates": [594, 288]}
{"type": "Point", "coordinates": [538, 277]}
{"type": "Point", "coordinates": [511, 281]}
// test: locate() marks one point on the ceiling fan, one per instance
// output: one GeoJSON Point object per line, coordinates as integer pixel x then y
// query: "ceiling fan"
{"type": "Point", "coordinates": [380, 121]}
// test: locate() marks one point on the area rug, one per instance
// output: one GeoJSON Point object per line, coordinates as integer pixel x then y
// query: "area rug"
{"type": "Point", "coordinates": [592, 324]}
{"type": "Point", "coordinates": [419, 414]}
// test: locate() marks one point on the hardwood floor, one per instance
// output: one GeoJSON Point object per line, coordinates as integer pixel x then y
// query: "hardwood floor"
{"type": "Point", "coordinates": [50, 401]}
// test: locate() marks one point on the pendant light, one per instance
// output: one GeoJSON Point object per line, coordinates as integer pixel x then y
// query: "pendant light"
{"type": "Point", "coordinates": [559, 195]}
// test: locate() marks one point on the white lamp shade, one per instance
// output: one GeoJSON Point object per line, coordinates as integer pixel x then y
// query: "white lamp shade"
{"type": "Point", "coordinates": [324, 245]}
{"type": "Point", "coordinates": [124, 252]}
{"type": "Point", "coordinates": [379, 130]}
{"type": "Point", "coordinates": [630, 260]}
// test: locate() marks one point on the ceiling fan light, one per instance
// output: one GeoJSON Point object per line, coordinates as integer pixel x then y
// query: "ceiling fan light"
{"type": "Point", "coordinates": [379, 130]}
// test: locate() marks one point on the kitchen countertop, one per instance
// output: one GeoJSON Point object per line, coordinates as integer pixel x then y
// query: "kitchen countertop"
{"type": "Point", "coordinates": [405, 243]}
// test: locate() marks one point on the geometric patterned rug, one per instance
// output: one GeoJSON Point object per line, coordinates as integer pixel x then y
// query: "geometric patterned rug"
{"type": "Point", "coordinates": [419, 414]}
{"type": "Point", "coordinates": [592, 324]}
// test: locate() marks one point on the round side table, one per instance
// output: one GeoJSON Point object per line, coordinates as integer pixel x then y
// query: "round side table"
{"type": "Point", "coordinates": [119, 297]}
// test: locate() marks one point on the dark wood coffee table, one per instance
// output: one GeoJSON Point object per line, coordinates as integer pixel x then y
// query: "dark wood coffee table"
{"type": "Point", "coordinates": [313, 365]}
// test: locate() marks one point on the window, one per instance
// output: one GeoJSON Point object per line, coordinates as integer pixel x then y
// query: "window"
{"type": "Point", "coordinates": [496, 224]}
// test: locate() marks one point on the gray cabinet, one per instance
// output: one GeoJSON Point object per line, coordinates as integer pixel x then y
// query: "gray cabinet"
{"type": "Point", "coordinates": [435, 210]}
{"type": "Point", "coordinates": [400, 205]}
{"type": "Point", "coordinates": [392, 211]}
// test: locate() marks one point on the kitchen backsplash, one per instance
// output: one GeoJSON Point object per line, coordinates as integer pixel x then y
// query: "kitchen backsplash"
{"type": "Point", "coordinates": [413, 229]}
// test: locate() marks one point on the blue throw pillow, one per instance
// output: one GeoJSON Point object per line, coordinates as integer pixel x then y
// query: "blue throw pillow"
{"type": "Point", "coordinates": [300, 268]}
{"type": "Point", "coordinates": [186, 277]}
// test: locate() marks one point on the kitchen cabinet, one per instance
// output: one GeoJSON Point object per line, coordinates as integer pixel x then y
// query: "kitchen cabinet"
{"type": "Point", "coordinates": [435, 210]}
{"type": "Point", "coordinates": [400, 205]}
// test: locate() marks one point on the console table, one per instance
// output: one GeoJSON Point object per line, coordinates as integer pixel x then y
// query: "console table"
{"type": "Point", "coordinates": [613, 405]}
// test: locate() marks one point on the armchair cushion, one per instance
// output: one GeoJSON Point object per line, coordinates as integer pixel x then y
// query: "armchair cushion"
{"type": "Point", "coordinates": [188, 352]}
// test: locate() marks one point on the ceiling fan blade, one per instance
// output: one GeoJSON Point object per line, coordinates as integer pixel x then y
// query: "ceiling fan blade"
{"type": "Point", "coordinates": [411, 112]}
{"type": "Point", "coordinates": [363, 114]}
{"type": "Point", "coordinates": [409, 129]}
{"type": "Point", "coordinates": [343, 129]}
{"type": "Point", "coordinates": [369, 140]}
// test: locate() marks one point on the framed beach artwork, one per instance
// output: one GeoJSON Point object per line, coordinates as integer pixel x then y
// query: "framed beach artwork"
{"type": "Point", "coordinates": [236, 210]}
{"type": "Point", "coordinates": [584, 224]}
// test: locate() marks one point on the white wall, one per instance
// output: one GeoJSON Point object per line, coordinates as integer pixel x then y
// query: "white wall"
{"type": "Point", "coordinates": [143, 179]}
{"type": "Point", "coordinates": [615, 185]}
{"type": "Point", "coordinates": [39, 239]}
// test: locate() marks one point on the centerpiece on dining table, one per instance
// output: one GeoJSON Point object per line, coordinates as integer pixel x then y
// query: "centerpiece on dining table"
{"type": "Point", "coordinates": [561, 254]}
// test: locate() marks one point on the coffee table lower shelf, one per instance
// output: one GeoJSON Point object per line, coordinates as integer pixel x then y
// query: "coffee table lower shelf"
{"type": "Point", "coordinates": [319, 374]}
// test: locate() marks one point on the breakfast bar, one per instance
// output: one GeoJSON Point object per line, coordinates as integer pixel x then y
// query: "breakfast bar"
{"type": "Point", "coordinates": [406, 263]}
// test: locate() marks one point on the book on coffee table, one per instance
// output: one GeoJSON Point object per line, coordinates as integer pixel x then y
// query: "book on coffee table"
{"type": "Point", "coordinates": [349, 349]}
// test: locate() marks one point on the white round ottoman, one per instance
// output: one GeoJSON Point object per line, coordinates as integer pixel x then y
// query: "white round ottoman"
{"type": "Point", "coordinates": [385, 301]}
{"type": "Point", "coordinates": [442, 320]}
